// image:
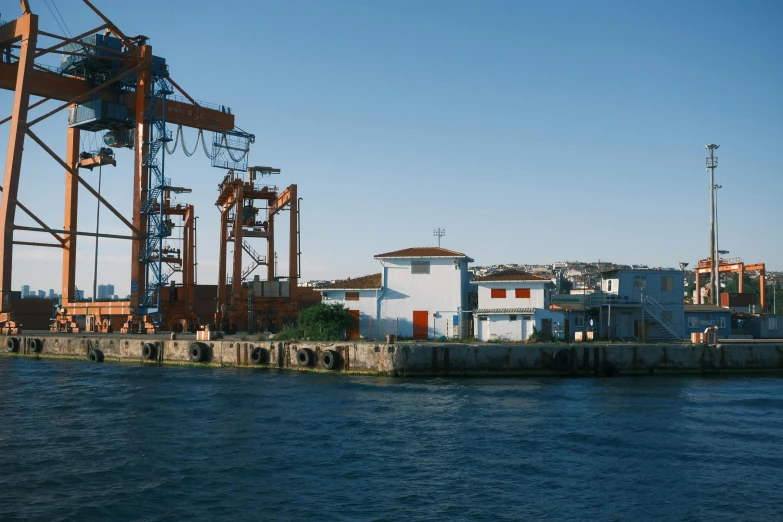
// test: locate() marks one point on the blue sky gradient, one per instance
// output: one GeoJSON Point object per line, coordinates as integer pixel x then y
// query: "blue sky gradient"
{"type": "Point", "coordinates": [532, 131]}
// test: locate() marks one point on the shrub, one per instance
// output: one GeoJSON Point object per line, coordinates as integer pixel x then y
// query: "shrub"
{"type": "Point", "coordinates": [536, 337]}
{"type": "Point", "coordinates": [321, 322]}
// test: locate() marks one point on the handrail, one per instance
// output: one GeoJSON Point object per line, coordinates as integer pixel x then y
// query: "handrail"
{"type": "Point", "coordinates": [653, 308]}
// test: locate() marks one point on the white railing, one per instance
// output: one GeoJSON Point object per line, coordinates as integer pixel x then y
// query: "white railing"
{"type": "Point", "coordinates": [656, 310]}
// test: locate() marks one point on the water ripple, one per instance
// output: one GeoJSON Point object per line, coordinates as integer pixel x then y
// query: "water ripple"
{"type": "Point", "coordinates": [98, 442]}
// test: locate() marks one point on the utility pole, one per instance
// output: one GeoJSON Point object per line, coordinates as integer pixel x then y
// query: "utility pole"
{"type": "Point", "coordinates": [718, 251]}
{"type": "Point", "coordinates": [712, 163]}
{"type": "Point", "coordinates": [439, 233]}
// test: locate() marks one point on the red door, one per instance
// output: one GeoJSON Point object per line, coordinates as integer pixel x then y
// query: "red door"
{"type": "Point", "coordinates": [421, 324]}
{"type": "Point", "coordinates": [352, 332]}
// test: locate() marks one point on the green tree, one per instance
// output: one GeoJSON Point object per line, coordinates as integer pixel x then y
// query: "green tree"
{"type": "Point", "coordinates": [321, 322]}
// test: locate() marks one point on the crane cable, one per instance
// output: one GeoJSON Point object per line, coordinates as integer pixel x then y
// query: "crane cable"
{"type": "Point", "coordinates": [181, 135]}
{"type": "Point", "coordinates": [223, 143]}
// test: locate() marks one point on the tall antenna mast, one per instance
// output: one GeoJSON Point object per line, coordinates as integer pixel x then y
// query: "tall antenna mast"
{"type": "Point", "coordinates": [439, 233]}
{"type": "Point", "coordinates": [712, 164]}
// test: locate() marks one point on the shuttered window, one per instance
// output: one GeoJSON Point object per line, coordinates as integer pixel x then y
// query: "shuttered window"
{"type": "Point", "coordinates": [522, 293]}
{"type": "Point", "coordinates": [498, 293]}
{"type": "Point", "coordinates": [420, 267]}
{"type": "Point", "coordinates": [351, 296]}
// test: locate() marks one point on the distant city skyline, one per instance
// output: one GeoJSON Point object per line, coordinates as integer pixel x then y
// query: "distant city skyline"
{"type": "Point", "coordinates": [528, 130]}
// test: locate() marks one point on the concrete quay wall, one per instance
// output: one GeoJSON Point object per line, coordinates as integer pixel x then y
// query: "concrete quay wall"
{"type": "Point", "coordinates": [413, 358]}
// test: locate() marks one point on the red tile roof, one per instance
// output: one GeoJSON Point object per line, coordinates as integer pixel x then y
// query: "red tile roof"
{"type": "Point", "coordinates": [368, 282]}
{"type": "Point", "coordinates": [422, 252]}
{"type": "Point", "coordinates": [511, 275]}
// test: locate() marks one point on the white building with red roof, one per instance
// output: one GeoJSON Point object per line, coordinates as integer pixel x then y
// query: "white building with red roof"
{"type": "Point", "coordinates": [513, 302]}
{"type": "Point", "coordinates": [422, 291]}
{"type": "Point", "coordinates": [359, 295]}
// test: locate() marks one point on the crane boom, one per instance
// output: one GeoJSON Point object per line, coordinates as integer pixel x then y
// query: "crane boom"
{"type": "Point", "coordinates": [66, 88]}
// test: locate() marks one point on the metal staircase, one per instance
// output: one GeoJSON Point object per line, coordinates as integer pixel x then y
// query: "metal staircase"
{"type": "Point", "coordinates": [258, 259]}
{"type": "Point", "coordinates": [655, 312]}
{"type": "Point", "coordinates": [158, 227]}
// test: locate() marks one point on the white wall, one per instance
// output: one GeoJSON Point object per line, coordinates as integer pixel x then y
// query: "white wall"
{"type": "Point", "coordinates": [367, 303]}
{"type": "Point", "coordinates": [443, 292]}
{"type": "Point", "coordinates": [501, 327]}
{"type": "Point", "coordinates": [610, 285]}
{"type": "Point", "coordinates": [539, 295]}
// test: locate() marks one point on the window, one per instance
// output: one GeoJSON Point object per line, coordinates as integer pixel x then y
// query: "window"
{"type": "Point", "coordinates": [667, 316]}
{"type": "Point", "coordinates": [721, 322]}
{"type": "Point", "coordinates": [527, 317]}
{"type": "Point", "coordinates": [773, 323]}
{"type": "Point", "coordinates": [482, 318]}
{"type": "Point", "coordinates": [420, 267]}
{"type": "Point", "coordinates": [498, 293]}
{"type": "Point", "coordinates": [351, 296]}
{"type": "Point", "coordinates": [667, 283]}
{"type": "Point", "coordinates": [579, 321]}
{"type": "Point", "coordinates": [512, 317]}
{"type": "Point", "coordinates": [610, 286]}
{"type": "Point", "coordinates": [522, 293]}
{"type": "Point", "coordinates": [640, 283]}
{"type": "Point", "coordinates": [693, 322]}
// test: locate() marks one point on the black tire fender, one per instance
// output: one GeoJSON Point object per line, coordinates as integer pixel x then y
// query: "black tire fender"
{"type": "Point", "coordinates": [563, 360]}
{"type": "Point", "coordinates": [95, 356]}
{"type": "Point", "coordinates": [12, 345]}
{"type": "Point", "coordinates": [608, 369]}
{"type": "Point", "coordinates": [35, 345]}
{"type": "Point", "coordinates": [330, 360]}
{"type": "Point", "coordinates": [197, 352]}
{"type": "Point", "coordinates": [149, 351]}
{"type": "Point", "coordinates": [259, 356]}
{"type": "Point", "coordinates": [303, 357]}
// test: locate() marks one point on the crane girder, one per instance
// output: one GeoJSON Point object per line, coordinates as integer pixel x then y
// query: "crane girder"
{"type": "Point", "coordinates": [281, 201]}
{"type": "Point", "coordinates": [65, 88]}
{"type": "Point", "coordinates": [8, 33]}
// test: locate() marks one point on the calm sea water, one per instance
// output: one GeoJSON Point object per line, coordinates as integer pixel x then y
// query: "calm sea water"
{"type": "Point", "coordinates": [124, 442]}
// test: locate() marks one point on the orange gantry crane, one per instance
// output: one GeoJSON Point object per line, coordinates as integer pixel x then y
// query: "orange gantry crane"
{"type": "Point", "coordinates": [254, 304]}
{"type": "Point", "coordinates": [110, 82]}
{"type": "Point", "coordinates": [735, 265]}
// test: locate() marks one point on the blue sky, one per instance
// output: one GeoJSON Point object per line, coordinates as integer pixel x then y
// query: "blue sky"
{"type": "Point", "coordinates": [531, 131]}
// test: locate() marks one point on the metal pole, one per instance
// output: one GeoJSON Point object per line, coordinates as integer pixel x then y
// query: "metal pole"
{"type": "Point", "coordinates": [717, 248]}
{"type": "Point", "coordinates": [711, 164]}
{"type": "Point", "coordinates": [299, 236]}
{"type": "Point", "coordinates": [97, 231]}
{"type": "Point", "coordinates": [712, 231]}
{"type": "Point", "coordinates": [195, 251]}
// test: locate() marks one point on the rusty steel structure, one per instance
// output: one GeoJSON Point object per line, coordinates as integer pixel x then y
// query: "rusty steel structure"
{"type": "Point", "coordinates": [733, 265]}
{"type": "Point", "coordinates": [253, 304]}
{"type": "Point", "coordinates": [128, 92]}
